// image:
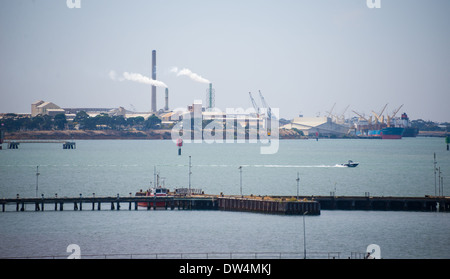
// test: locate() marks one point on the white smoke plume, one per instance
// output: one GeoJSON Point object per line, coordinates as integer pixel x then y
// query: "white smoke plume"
{"type": "Point", "coordinates": [190, 74]}
{"type": "Point", "coordinates": [136, 78]}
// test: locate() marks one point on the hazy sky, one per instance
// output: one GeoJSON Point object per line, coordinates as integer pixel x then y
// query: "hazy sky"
{"type": "Point", "coordinates": [304, 56]}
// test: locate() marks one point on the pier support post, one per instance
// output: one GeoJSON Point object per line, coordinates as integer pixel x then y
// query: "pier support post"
{"type": "Point", "coordinates": [112, 205]}
{"type": "Point", "coordinates": [99, 206]}
{"type": "Point", "coordinates": [61, 206]}
{"type": "Point", "coordinates": [23, 207]}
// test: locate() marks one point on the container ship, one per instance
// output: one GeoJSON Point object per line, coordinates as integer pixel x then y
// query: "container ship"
{"type": "Point", "coordinates": [393, 128]}
{"type": "Point", "coordinates": [384, 133]}
{"type": "Point", "coordinates": [399, 128]}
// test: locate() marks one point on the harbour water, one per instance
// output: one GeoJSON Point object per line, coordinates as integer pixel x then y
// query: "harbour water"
{"type": "Point", "coordinates": [107, 168]}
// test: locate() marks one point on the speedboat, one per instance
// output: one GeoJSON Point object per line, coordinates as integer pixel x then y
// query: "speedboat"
{"type": "Point", "coordinates": [350, 164]}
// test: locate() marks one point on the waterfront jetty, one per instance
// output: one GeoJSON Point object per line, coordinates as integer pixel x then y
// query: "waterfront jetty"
{"type": "Point", "coordinates": [283, 205]}
{"type": "Point", "coordinates": [192, 202]}
{"type": "Point", "coordinates": [279, 205]}
{"type": "Point", "coordinates": [367, 202]}
{"type": "Point", "coordinates": [14, 144]}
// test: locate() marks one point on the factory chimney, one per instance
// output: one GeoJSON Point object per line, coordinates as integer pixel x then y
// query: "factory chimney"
{"type": "Point", "coordinates": [154, 78]}
{"type": "Point", "coordinates": [210, 97]}
{"type": "Point", "coordinates": [166, 107]}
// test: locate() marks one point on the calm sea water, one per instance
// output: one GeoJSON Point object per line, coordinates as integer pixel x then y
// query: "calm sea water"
{"type": "Point", "coordinates": [387, 168]}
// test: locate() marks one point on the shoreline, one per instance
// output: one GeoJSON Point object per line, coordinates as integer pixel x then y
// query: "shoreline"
{"type": "Point", "coordinates": [146, 135]}
{"type": "Point", "coordinates": [108, 134]}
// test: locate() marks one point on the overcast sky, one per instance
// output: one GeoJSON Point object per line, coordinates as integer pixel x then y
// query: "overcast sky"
{"type": "Point", "coordinates": [304, 56]}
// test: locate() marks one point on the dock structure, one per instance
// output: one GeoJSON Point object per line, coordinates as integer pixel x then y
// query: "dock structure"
{"type": "Point", "coordinates": [426, 203]}
{"type": "Point", "coordinates": [284, 205]}
{"type": "Point", "coordinates": [196, 202]}
{"type": "Point", "coordinates": [14, 144]}
{"type": "Point", "coordinates": [388, 203]}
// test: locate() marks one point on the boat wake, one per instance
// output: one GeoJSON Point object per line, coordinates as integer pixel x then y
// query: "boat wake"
{"type": "Point", "coordinates": [298, 166]}
{"type": "Point", "coordinates": [276, 166]}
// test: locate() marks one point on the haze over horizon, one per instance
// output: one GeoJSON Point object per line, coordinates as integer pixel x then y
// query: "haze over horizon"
{"type": "Point", "coordinates": [304, 56]}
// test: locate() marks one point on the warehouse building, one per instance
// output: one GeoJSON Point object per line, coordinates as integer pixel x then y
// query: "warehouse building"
{"type": "Point", "coordinates": [324, 126]}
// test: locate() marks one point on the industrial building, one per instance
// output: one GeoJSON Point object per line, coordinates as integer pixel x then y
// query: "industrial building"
{"type": "Point", "coordinates": [45, 108]}
{"type": "Point", "coordinates": [324, 126]}
{"type": "Point", "coordinates": [49, 108]}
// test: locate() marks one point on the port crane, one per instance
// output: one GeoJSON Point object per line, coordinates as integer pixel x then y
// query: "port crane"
{"type": "Point", "coordinates": [268, 113]}
{"type": "Point", "coordinates": [255, 106]}
{"type": "Point", "coordinates": [369, 121]}
{"type": "Point", "coordinates": [389, 118]}
{"type": "Point", "coordinates": [330, 113]}
{"type": "Point", "coordinates": [379, 118]}
{"type": "Point", "coordinates": [337, 118]}
{"type": "Point", "coordinates": [341, 118]}
{"type": "Point", "coordinates": [267, 110]}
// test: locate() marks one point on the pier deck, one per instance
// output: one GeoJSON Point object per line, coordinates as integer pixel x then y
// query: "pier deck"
{"type": "Point", "coordinates": [14, 144]}
{"type": "Point", "coordinates": [195, 202]}
{"type": "Point", "coordinates": [388, 203]}
{"type": "Point", "coordinates": [286, 205]}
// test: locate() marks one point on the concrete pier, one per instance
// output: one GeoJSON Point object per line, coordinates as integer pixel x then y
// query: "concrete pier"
{"type": "Point", "coordinates": [269, 205]}
{"type": "Point", "coordinates": [195, 202]}
{"type": "Point", "coordinates": [286, 205]}
{"type": "Point", "coordinates": [14, 144]}
{"type": "Point", "coordinates": [425, 203]}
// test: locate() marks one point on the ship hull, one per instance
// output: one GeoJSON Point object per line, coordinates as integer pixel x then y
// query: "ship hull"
{"type": "Point", "coordinates": [410, 132]}
{"type": "Point", "coordinates": [392, 133]}
{"type": "Point", "coordinates": [153, 192]}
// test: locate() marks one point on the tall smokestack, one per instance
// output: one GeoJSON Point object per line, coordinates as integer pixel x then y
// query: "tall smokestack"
{"type": "Point", "coordinates": [166, 107]}
{"type": "Point", "coordinates": [154, 78]}
{"type": "Point", "coordinates": [210, 97]}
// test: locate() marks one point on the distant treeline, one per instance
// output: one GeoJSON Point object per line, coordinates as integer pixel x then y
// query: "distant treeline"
{"type": "Point", "coordinates": [16, 122]}
{"type": "Point", "coordinates": [13, 122]}
{"type": "Point", "coordinates": [430, 125]}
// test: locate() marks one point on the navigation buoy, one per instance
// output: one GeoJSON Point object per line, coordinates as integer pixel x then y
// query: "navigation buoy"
{"type": "Point", "coordinates": [179, 144]}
